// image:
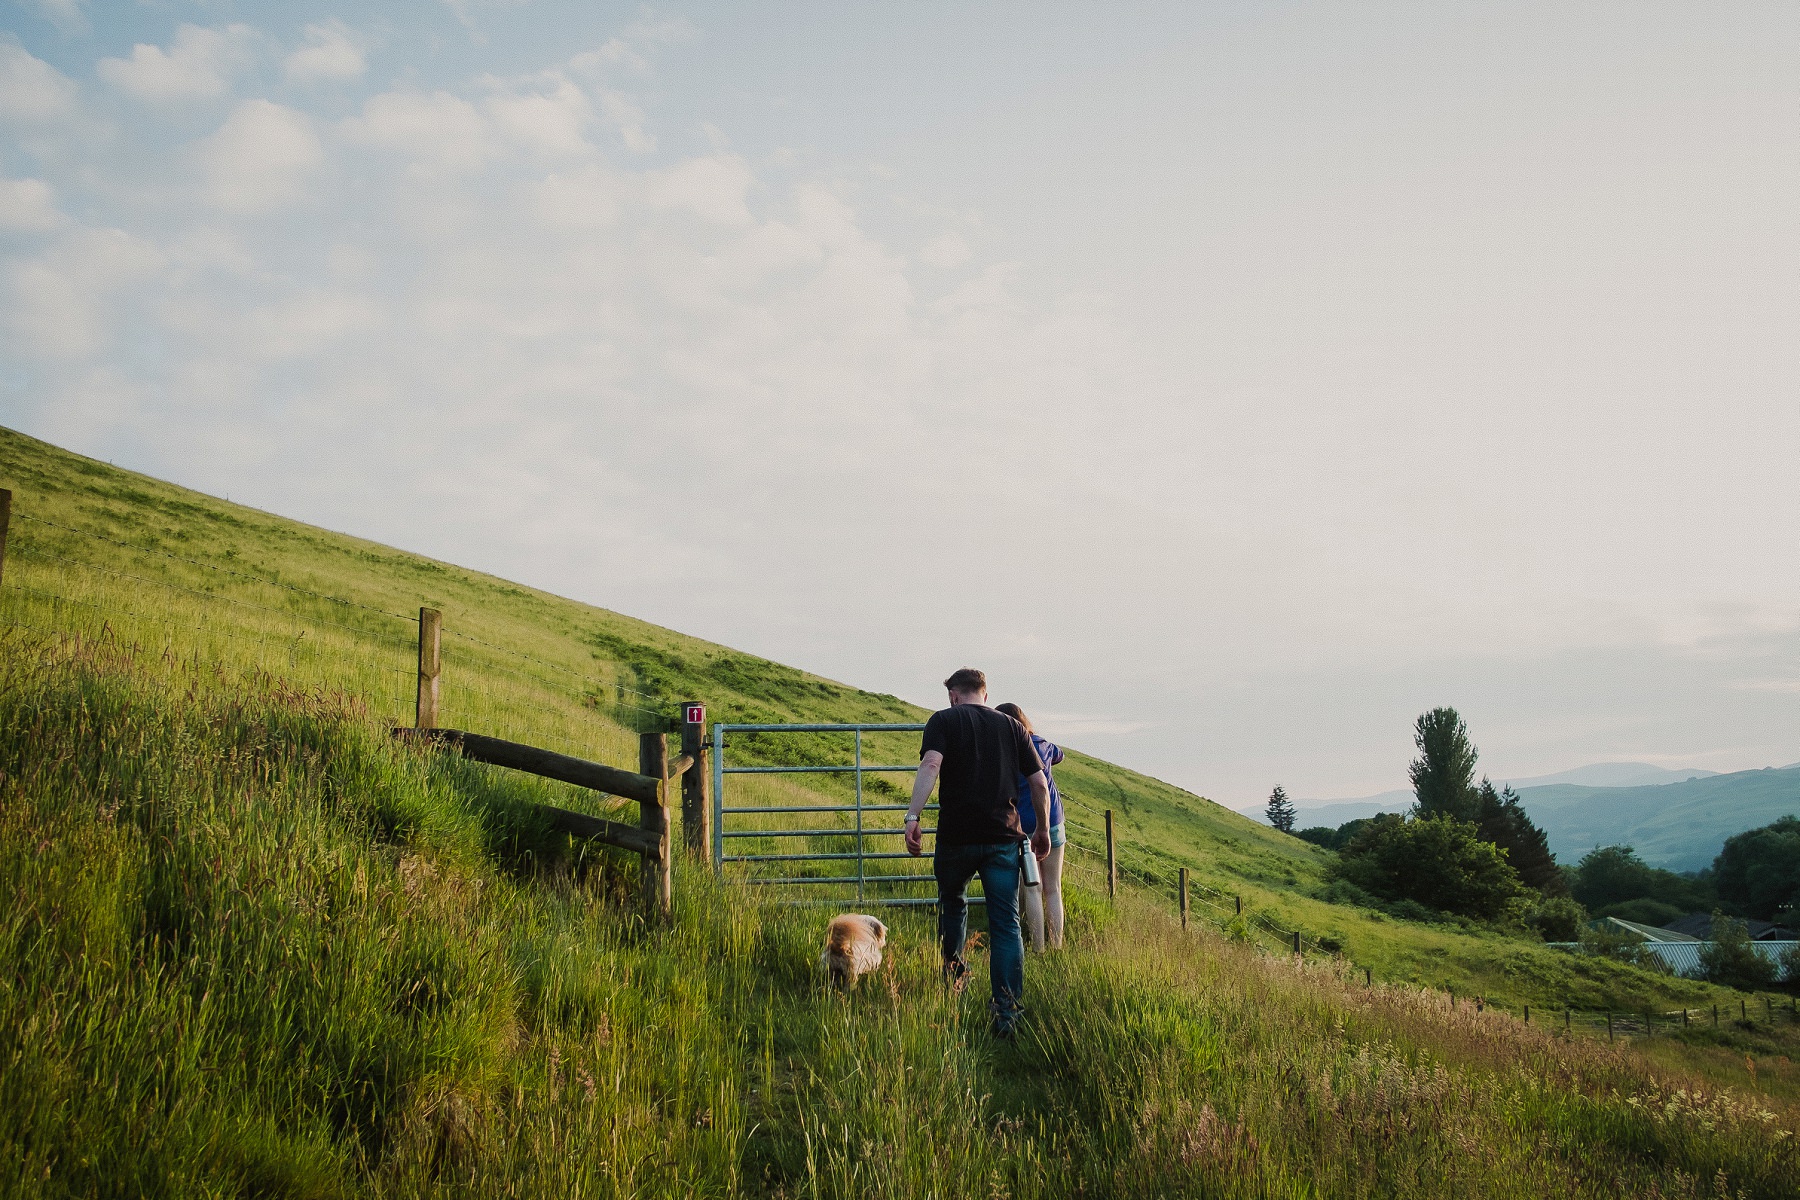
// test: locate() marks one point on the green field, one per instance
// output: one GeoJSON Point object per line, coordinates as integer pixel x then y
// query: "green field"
{"type": "Point", "coordinates": [254, 947]}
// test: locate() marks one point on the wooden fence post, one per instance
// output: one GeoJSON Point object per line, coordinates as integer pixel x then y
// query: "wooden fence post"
{"type": "Point", "coordinates": [653, 760]}
{"type": "Point", "coordinates": [1568, 1020]}
{"type": "Point", "coordinates": [431, 665]}
{"type": "Point", "coordinates": [1369, 977]}
{"type": "Point", "coordinates": [1239, 902]}
{"type": "Point", "coordinates": [1743, 1011]}
{"type": "Point", "coordinates": [1184, 897]}
{"type": "Point", "coordinates": [1609, 1036]}
{"type": "Point", "coordinates": [1715, 1016]}
{"type": "Point", "coordinates": [1528, 1014]}
{"type": "Point", "coordinates": [1297, 949]}
{"type": "Point", "coordinates": [1112, 860]}
{"type": "Point", "coordinates": [696, 783]}
{"type": "Point", "coordinates": [5, 520]}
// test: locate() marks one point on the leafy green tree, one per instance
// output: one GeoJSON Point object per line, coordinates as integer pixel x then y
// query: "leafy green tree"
{"type": "Point", "coordinates": [1281, 810]}
{"type": "Point", "coordinates": [1319, 835]}
{"type": "Point", "coordinates": [1759, 869]}
{"type": "Point", "coordinates": [1731, 957]}
{"type": "Point", "coordinates": [1443, 776]}
{"type": "Point", "coordinates": [1557, 919]}
{"type": "Point", "coordinates": [1608, 876]}
{"type": "Point", "coordinates": [1436, 861]}
{"type": "Point", "coordinates": [1502, 820]}
{"type": "Point", "coordinates": [1790, 964]}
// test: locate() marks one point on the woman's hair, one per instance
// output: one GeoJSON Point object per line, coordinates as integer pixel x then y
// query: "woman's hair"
{"type": "Point", "coordinates": [1016, 713]}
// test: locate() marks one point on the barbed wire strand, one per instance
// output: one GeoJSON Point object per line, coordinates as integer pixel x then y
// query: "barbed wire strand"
{"type": "Point", "coordinates": [212, 596]}
{"type": "Point", "coordinates": [194, 562]}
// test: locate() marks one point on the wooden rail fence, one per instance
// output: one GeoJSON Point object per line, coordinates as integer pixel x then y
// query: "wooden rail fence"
{"type": "Point", "coordinates": [648, 785]}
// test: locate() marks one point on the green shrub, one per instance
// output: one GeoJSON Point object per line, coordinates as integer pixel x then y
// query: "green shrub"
{"type": "Point", "coordinates": [1436, 861]}
{"type": "Point", "coordinates": [1558, 919]}
{"type": "Point", "coordinates": [1602, 941]}
{"type": "Point", "coordinates": [1731, 957]}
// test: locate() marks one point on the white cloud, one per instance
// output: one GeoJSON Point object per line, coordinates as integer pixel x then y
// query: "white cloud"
{"type": "Point", "coordinates": [32, 92]}
{"type": "Point", "coordinates": [333, 51]}
{"type": "Point", "coordinates": [437, 131]}
{"type": "Point", "coordinates": [58, 302]}
{"type": "Point", "coordinates": [259, 157]}
{"type": "Point", "coordinates": [199, 66]}
{"type": "Point", "coordinates": [29, 206]}
{"type": "Point", "coordinates": [715, 188]}
{"type": "Point", "coordinates": [629, 47]}
{"type": "Point", "coordinates": [66, 15]}
{"type": "Point", "coordinates": [628, 118]}
{"type": "Point", "coordinates": [945, 252]}
{"type": "Point", "coordinates": [549, 116]}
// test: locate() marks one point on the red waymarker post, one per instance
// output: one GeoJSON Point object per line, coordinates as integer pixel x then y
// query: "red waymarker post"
{"type": "Point", "coordinates": [696, 783]}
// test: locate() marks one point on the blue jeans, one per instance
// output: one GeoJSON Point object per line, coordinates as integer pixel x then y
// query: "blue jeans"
{"type": "Point", "coordinates": [999, 865]}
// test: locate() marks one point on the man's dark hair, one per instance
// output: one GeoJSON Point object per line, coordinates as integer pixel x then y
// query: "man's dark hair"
{"type": "Point", "coordinates": [966, 681]}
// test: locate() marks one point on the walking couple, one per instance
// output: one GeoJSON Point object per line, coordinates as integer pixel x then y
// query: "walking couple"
{"type": "Point", "coordinates": [997, 803]}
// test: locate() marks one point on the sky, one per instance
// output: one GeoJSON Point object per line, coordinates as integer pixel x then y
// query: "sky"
{"type": "Point", "coordinates": [1232, 381]}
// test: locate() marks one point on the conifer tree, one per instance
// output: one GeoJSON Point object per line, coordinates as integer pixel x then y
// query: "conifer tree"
{"type": "Point", "coordinates": [1443, 776]}
{"type": "Point", "coordinates": [1502, 820]}
{"type": "Point", "coordinates": [1280, 811]}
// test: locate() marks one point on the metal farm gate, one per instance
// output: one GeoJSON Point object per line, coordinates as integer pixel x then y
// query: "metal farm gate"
{"type": "Point", "coordinates": [785, 831]}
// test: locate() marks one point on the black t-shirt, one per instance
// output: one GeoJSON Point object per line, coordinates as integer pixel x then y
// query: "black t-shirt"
{"type": "Point", "coordinates": [985, 752]}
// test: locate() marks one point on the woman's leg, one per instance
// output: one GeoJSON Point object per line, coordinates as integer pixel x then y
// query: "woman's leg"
{"type": "Point", "coordinates": [1031, 907]}
{"type": "Point", "coordinates": [1049, 906]}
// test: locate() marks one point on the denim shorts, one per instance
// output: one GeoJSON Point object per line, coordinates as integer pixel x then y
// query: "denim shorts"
{"type": "Point", "coordinates": [1059, 834]}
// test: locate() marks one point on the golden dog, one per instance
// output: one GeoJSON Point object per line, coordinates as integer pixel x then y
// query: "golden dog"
{"type": "Point", "coordinates": [853, 945]}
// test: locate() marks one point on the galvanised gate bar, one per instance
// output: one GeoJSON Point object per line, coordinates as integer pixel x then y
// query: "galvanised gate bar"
{"type": "Point", "coordinates": [859, 828]}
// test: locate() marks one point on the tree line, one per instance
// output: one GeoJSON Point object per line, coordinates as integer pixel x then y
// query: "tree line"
{"type": "Point", "coordinates": [1469, 849]}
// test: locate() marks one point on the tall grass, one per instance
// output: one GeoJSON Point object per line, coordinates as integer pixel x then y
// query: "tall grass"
{"type": "Point", "coordinates": [251, 947]}
{"type": "Point", "coordinates": [231, 592]}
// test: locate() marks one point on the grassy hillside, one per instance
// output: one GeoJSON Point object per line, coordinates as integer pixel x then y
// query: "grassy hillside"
{"type": "Point", "coordinates": [190, 578]}
{"type": "Point", "coordinates": [1680, 826]}
{"type": "Point", "coordinates": [251, 946]}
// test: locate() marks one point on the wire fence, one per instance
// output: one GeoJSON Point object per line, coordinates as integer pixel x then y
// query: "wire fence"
{"type": "Point", "coordinates": [62, 580]}
{"type": "Point", "coordinates": [49, 587]}
{"type": "Point", "coordinates": [1143, 870]}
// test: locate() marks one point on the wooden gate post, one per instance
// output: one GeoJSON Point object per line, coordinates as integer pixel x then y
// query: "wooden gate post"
{"type": "Point", "coordinates": [431, 665]}
{"type": "Point", "coordinates": [5, 520]}
{"type": "Point", "coordinates": [653, 818]}
{"type": "Point", "coordinates": [1184, 898]}
{"type": "Point", "coordinates": [696, 781]}
{"type": "Point", "coordinates": [1112, 860]}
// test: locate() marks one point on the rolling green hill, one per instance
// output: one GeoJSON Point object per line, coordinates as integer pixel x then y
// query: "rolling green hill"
{"type": "Point", "coordinates": [190, 577]}
{"type": "Point", "coordinates": [253, 946]}
{"type": "Point", "coordinates": [1680, 826]}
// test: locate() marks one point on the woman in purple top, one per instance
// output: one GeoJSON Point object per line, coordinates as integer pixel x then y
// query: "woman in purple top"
{"type": "Point", "coordinates": [1042, 907]}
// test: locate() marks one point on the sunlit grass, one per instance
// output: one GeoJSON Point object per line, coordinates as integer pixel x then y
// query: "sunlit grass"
{"type": "Point", "coordinates": [254, 946]}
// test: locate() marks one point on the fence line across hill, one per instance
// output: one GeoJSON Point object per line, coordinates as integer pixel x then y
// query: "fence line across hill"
{"type": "Point", "coordinates": [1093, 839]}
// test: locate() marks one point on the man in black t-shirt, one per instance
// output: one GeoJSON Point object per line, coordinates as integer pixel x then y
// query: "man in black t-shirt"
{"type": "Point", "coordinates": [975, 756]}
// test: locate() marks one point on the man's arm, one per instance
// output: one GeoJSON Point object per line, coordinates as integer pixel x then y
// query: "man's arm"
{"type": "Point", "coordinates": [1040, 804]}
{"type": "Point", "coordinates": [929, 765]}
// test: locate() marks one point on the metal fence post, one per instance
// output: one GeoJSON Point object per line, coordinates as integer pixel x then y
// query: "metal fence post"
{"type": "Point", "coordinates": [718, 797]}
{"type": "Point", "coordinates": [861, 874]}
{"type": "Point", "coordinates": [1112, 860]}
{"type": "Point", "coordinates": [431, 666]}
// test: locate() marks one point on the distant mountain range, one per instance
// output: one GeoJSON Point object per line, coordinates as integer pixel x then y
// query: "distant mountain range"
{"type": "Point", "coordinates": [1675, 819]}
